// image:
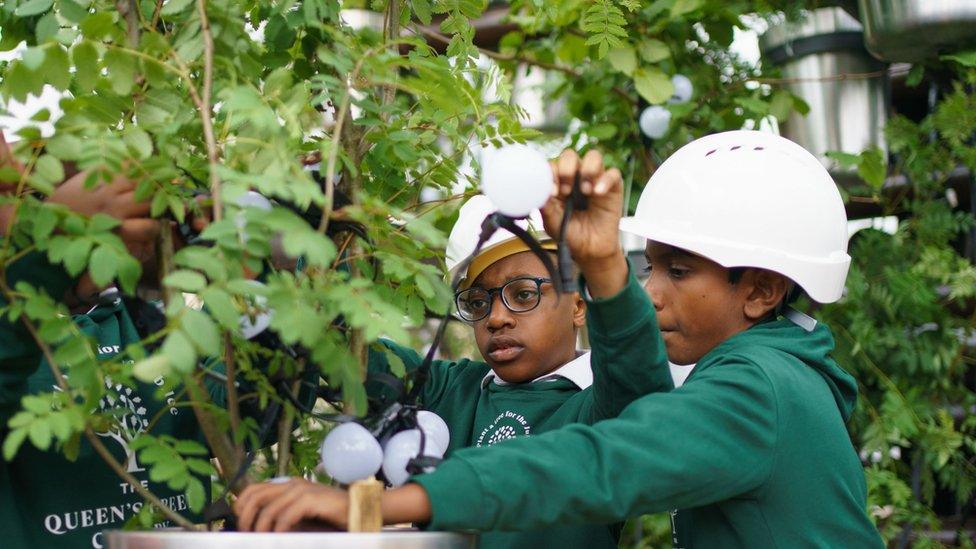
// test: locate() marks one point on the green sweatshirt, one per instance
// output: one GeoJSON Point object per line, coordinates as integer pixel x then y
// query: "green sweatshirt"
{"type": "Point", "coordinates": [46, 500]}
{"type": "Point", "coordinates": [752, 451]}
{"type": "Point", "coordinates": [480, 412]}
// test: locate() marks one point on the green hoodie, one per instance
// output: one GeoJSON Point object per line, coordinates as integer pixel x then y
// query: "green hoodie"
{"type": "Point", "coordinates": [480, 412]}
{"type": "Point", "coordinates": [46, 500]}
{"type": "Point", "coordinates": [752, 451]}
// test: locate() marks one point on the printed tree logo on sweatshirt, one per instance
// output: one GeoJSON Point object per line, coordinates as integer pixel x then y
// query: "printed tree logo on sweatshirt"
{"type": "Point", "coordinates": [507, 425]}
{"type": "Point", "coordinates": [130, 420]}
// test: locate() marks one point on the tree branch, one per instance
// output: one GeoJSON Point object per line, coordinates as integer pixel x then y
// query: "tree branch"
{"type": "Point", "coordinates": [129, 10]}
{"type": "Point", "coordinates": [206, 113]}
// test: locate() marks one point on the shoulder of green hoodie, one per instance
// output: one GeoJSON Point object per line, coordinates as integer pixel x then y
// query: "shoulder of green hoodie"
{"type": "Point", "coordinates": [445, 375]}
{"type": "Point", "coordinates": [628, 355]}
{"type": "Point", "coordinates": [710, 440]}
{"type": "Point", "coordinates": [19, 354]}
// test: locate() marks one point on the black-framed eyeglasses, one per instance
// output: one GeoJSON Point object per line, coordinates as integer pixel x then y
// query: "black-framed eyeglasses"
{"type": "Point", "coordinates": [519, 295]}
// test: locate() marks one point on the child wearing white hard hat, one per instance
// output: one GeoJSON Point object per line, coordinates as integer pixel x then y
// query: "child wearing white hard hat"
{"type": "Point", "coordinates": [752, 450]}
{"type": "Point", "coordinates": [532, 378]}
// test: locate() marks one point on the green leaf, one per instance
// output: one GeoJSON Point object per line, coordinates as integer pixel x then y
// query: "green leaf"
{"type": "Point", "coordinates": [222, 307]}
{"type": "Point", "coordinates": [129, 271]}
{"type": "Point", "coordinates": [33, 58]}
{"type": "Point", "coordinates": [190, 448]}
{"type": "Point", "coordinates": [873, 168]}
{"type": "Point", "coordinates": [85, 57]}
{"type": "Point", "coordinates": [966, 59]}
{"type": "Point", "coordinates": [12, 442]}
{"type": "Point", "coordinates": [843, 159]}
{"type": "Point", "coordinates": [44, 222]}
{"type": "Point", "coordinates": [121, 70]}
{"type": "Point", "coordinates": [653, 85]}
{"type": "Point", "coordinates": [47, 28]}
{"type": "Point", "coordinates": [624, 59]}
{"type": "Point", "coordinates": [179, 351]}
{"type": "Point", "coordinates": [139, 141]}
{"type": "Point", "coordinates": [195, 495]}
{"type": "Point", "coordinates": [101, 223]}
{"type": "Point", "coordinates": [397, 367]}
{"type": "Point", "coordinates": [76, 255]}
{"type": "Point", "coordinates": [602, 131]}
{"type": "Point", "coordinates": [33, 7]}
{"type": "Point", "coordinates": [49, 169]}
{"type": "Point", "coordinates": [152, 368]}
{"type": "Point", "coordinates": [653, 51]}
{"type": "Point", "coordinates": [57, 67]}
{"type": "Point", "coordinates": [782, 105]}
{"type": "Point", "coordinates": [168, 469]}
{"type": "Point", "coordinates": [40, 434]}
{"type": "Point", "coordinates": [422, 9]}
{"type": "Point", "coordinates": [172, 7]}
{"type": "Point", "coordinates": [202, 331]}
{"type": "Point", "coordinates": [97, 25]}
{"type": "Point", "coordinates": [103, 265]}
{"type": "Point", "coordinates": [682, 7]}
{"type": "Point", "coordinates": [756, 106]}
{"type": "Point", "coordinates": [188, 281]}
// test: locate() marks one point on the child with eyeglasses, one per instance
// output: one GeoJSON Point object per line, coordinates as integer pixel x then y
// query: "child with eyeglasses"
{"type": "Point", "coordinates": [533, 379]}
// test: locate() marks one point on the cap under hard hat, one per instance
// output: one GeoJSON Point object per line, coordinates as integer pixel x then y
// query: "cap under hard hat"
{"type": "Point", "coordinates": [467, 229]}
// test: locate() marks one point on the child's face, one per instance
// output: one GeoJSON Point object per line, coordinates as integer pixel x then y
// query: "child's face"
{"type": "Point", "coordinates": [520, 347]}
{"type": "Point", "coordinates": [697, 306]}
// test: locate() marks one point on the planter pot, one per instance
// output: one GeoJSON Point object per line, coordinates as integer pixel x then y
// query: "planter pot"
{"type": "Point", "coordinates": [911, 30]}
{"type": "Point", "coordinates": [824, 58]}
{"type": "Point", "coordinates": [390, 539]}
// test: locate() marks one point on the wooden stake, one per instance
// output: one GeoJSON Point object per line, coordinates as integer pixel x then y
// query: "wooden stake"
{"type": "Point", "coordinates": [365, 514]}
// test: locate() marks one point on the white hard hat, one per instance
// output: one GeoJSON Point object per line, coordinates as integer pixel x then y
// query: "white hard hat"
{"type": "Point", "coordinates": [467, 229]}
{"type": "Point", "coordinates": [750, 199]}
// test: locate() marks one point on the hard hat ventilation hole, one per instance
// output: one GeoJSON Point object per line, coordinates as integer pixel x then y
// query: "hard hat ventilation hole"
{"type": "Point", "coordinates": [711, 152]}
{"type": "Point", "coordinates": [759, 149]}
{"type": "Point", "coordinates": [735, 148]}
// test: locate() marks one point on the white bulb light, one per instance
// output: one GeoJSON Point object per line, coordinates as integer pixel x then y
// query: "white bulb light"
{"type": "Point", "coordinates": [517, 179]}
{"type": "Point", "coordinates": [351, 453]}
{"type": "Point", "coordinates": [654, 121]}
{"type": "Point", "coordinates": [683, 89]}
{"type": "Point", "coordinates": [400, 449]}
{"type": "Point", "coordinates": [434, 428]}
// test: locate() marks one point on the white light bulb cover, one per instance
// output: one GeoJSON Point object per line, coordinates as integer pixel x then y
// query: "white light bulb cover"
{"type": "Point", "coordinates": [654, 121]}
{"type": "Point", "coordinates": [400, 449]}
{"type": "Point", "coordinates": [517, 179]}
{"type": "Point", "coordinates": [351, 453]}
{"type": "Point", "coordinates": [434, 427]}
{"type": "Point", "coordinates": [683, 89]}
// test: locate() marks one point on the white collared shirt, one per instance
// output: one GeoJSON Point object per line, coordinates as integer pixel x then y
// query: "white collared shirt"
{"type": "Point", "coordinates": [577, 371]}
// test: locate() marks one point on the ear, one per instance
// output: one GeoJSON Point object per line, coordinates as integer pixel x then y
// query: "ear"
{"type": "Point", "coordinates": [579, 311]}
{"type": "Point", "coordinates": [765, 290]}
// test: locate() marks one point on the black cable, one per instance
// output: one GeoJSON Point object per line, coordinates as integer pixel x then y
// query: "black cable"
{"type": "Point", "coordinates": [577, 201]}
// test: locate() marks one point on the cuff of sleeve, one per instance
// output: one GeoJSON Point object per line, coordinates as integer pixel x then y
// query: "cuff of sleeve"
{"type": "Point", "coordinates": [617, 315]}
{"type": "Point", "coordinates": [451, 489]}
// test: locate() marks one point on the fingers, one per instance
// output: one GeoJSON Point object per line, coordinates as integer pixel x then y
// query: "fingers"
{"type": "Point", "coordinates": [303, 507]}
{"type": "Point", "coordinates": [609, 182]}
{"type": "Point", "coordinates": [566, 167]}
{"type": "Point", "coordinates": [253, 499]}
{"type": "Point", "coordinates": [591, 168]}
{"type": "Point", "coordinates": [269, 516]}
{"type": "Point", "coordinates": [139, 230]}
{"type": "Point", "coordinates": [125, 206]}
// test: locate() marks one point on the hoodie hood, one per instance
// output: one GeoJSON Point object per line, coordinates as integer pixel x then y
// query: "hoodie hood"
{"type": "Point", "coordinates": [813, 348]}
